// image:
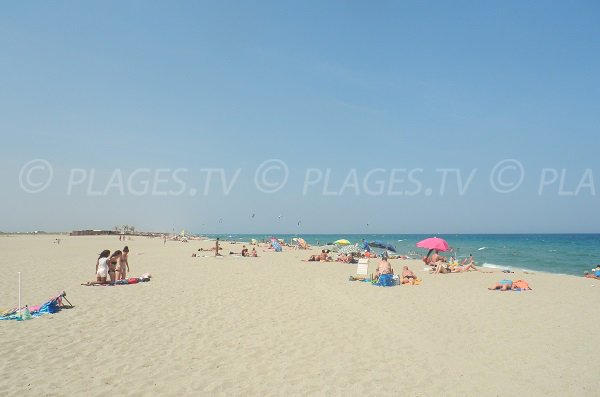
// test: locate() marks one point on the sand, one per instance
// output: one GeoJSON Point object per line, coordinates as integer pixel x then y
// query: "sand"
{"type": "Point", "coordinates": [275, 326]}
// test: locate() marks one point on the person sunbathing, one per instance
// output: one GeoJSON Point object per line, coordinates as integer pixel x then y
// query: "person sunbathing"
{"type": "Point", "coordinates": [588, 275]}
{"type": "Point", "coordinates": [407, 276]}
{"type": "Point", "coordinates": [345, 258]}
{"type": "Point", "coordinates": [464, 268]}
{"type": "Point", "coordinates": [502, 285]}
{"type": "Point", "coordinates": [322, 257]}
{"type": "Point", "coordinates": [384, 267]}
{"type": "Point", "coordinates": [436, 257]}
{"type": "Point", "coordinates": [440, 267]}
{"type": "Point", "coordinates": [520, 285]}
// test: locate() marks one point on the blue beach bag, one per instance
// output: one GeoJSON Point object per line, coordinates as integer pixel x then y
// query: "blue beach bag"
{"type": "Point", "coordinates": [386, 280]}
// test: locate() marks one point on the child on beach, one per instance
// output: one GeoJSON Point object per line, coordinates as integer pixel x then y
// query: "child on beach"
{"type": "Point", "coordinates": [123, 267]}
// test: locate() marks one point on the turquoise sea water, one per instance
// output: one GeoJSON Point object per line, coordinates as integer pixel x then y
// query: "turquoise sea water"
{"type": "Point", "coordinates": [552, 253]}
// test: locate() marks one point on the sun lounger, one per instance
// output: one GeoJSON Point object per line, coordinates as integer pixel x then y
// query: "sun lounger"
{"type": "Point", "coordinates": [362, 270]}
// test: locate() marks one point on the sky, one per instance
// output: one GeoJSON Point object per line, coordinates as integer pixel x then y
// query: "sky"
{"type": "Point", "coordinates": [300, 117]}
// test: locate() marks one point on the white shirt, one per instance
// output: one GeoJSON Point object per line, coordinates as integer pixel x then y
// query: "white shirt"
{"type": "Point", "coordinates": [102, 265]}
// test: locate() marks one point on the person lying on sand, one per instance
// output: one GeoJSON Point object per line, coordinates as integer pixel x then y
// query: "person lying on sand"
{"type": "Point", "coordinates": [464, 268]}
{"type": "Point", "coordinates": [345, 258]}
{"type": "Point", "coordinates": [502, 285]}
{"type": "Point", "coordinates": [520, 285]}
{"type": "Point", "coordinates": [322, 257]}
{"type": "Point", "coordinates": [505, 285]}
{"type": "Point", "coordinates": [440, 267]}
{"type": "Point", "coordinates": [407, 276]}
{"type": "Point", "coordinates": [588, 275]}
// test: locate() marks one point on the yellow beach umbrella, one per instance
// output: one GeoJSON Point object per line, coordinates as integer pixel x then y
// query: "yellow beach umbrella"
{"type": "Point", "coordinates": [342, 242]}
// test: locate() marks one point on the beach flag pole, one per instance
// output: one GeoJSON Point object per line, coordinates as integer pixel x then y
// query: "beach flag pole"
{"type": "Point", "coordinates": [20, 295]}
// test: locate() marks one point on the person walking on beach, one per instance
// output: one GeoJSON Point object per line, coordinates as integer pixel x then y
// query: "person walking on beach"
{"type": "Point", "coordinates": [217, 247]}
{"type": "Point", "coordinates": [366, 247]}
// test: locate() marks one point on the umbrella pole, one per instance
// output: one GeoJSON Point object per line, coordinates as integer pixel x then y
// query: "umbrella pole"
{"type": "Point", "coordinates": [20, 295]}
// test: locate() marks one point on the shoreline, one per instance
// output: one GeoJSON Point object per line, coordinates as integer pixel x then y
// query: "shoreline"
{"type": "Point", "coordinates": [224, 239]}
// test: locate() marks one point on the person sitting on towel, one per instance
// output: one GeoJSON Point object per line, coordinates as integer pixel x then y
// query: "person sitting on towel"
{"type": "Point", "coordinates": [384, 267]}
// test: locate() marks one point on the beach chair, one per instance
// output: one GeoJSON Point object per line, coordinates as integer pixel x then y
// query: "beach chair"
{"type": "Point", "coordinates": [362, 269]}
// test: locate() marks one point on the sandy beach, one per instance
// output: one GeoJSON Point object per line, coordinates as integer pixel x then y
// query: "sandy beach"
{"type": "Point", "coordinates": [275, 326]}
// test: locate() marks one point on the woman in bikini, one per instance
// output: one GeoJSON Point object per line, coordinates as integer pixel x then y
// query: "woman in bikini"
{"type": "Point", "coordinates": [123, 267]}
{"type": "Point", "coordinates": [408, 277]}
{"type": "Point", "coordinates": [112, 265]}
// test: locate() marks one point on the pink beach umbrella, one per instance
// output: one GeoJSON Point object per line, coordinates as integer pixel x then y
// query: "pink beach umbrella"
{"type": "Point", "coordinates": [433, 243]}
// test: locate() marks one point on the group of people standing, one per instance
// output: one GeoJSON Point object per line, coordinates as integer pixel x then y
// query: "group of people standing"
{"type": "Point", "coordinates": [113, 266]}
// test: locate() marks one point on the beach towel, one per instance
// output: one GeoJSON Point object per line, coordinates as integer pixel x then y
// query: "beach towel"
{"type": "Point", "coordinates": [132, 280]}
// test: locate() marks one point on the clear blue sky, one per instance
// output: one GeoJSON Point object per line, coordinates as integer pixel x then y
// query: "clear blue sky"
{"type": "Point", "coordinates": [98, 88]}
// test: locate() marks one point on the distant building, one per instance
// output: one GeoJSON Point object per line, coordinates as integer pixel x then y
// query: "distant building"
{"type": "Point", "coordinates": [93, 233]}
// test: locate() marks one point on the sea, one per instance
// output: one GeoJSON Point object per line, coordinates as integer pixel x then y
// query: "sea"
{"type": "Point", "coordinates": [552, 253]}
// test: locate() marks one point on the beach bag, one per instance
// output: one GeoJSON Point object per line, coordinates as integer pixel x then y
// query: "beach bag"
{"type": "Point", "coordinates": [386, 280]}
